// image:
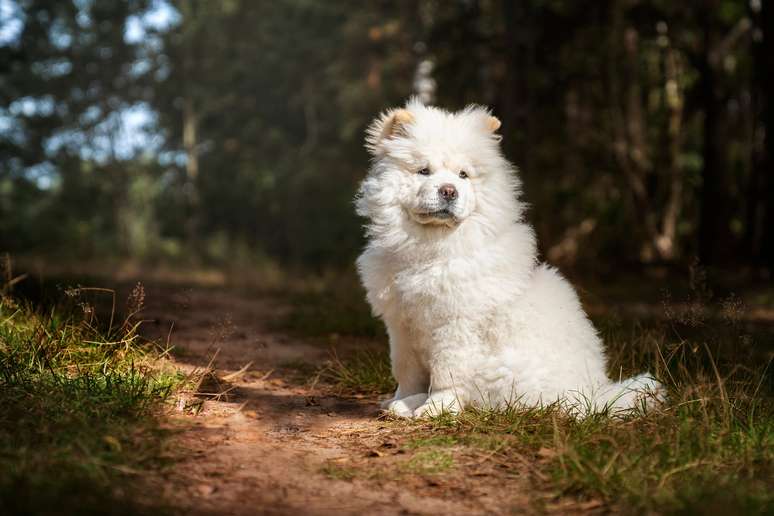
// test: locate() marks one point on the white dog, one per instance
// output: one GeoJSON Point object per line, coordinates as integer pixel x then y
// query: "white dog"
{"type": "Point", "coordinates": [451, 268]}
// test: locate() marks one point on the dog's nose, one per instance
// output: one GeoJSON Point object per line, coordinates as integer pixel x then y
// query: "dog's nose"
{"type": "Point", "coordinates": [448, 192]}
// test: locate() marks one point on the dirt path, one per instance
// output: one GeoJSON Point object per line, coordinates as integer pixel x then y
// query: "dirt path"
{"type": "Point", "coordinates": [276, 445]}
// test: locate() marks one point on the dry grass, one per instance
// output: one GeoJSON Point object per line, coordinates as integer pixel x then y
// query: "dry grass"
{"type": "Point", "coordinates": [79, 403]}
{"type": "Point", "coordinates": [709, 449]}
{"type": "Point", "coordinates": [712, 443]}
{"type": "Point", "coordinates": [367, 372]}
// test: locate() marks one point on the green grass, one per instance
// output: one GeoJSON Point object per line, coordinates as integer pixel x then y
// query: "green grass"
{"type": "Point", "coordinates": [331, 306]}
{"type": "Point", "coordinates": [442, 440]}
{"type": "Point", "coordinates": [367, 371]}
{"type": "Point", "coordinates": [709, 450]}
{"type": "Point", "coordinates": [433, 461]}
{"type": "Point", "coordinates": [77, 424]}
{"type": "Point", "coordinates": [711, 447]}
{"type": "Point", "coordinates": [338, 472]}
{"type": "Point", "coordinates": [681, 459]}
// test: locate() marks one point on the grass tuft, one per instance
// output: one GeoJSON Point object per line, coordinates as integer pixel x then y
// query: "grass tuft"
{"type": "Point", "coordinates": [367, 371]}
{"type": "Point", "coordinates": [713, 443]}
{"type": "Point", "coordinates": [78, 405]}
{"type": "Point", "coordinates": [335, 307]}
{"type": "Point", "coordinates": [711, 446]}
{"type": "Point", "coordinates": [337, 472]}
{"type": "Point", "coordinates": [433, 461]}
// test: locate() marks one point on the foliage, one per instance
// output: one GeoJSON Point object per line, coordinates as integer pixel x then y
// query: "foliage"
{"type": "Point", "coordinates": [78, 412]}
{"type": "Point", "coordinates": [335, 305]}
{"type": "Point", "coordinates": [367, 371]}
{"type": "Point", "coordinates": [710, 446]}
{"type": "Point", "coordinates": [638, 127]}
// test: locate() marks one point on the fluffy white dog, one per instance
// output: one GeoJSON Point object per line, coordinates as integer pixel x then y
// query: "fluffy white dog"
{"type": "Point", "coordinates": [451, 268]}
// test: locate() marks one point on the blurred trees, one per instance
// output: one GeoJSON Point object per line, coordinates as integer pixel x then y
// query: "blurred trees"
{"type": "Point", "coordinates": [270, 99]}
{"type": "Point", "coordinates": [760, 188]}
{"type": "Point", "coordinates": [63, 80]}
{"type": "Point", "coordinates": [640, 127]}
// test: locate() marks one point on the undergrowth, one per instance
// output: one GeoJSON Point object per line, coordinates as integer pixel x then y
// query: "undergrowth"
{"type": "Point", "coordinates": [333, 306]}
{"type": "Point", "coordinates": [77, 424]}
{"type": "Point", "coordinates": [709, 449]}
{"type": "Point", "coordinates": [367, 371]}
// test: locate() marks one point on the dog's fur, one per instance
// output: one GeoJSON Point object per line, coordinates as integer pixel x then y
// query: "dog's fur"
{"type": "Point", "coordinates": [472, 317]}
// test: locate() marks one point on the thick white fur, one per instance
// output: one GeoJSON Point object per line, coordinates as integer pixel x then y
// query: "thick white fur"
{"type": "Point", "coordinates": [472, 317]}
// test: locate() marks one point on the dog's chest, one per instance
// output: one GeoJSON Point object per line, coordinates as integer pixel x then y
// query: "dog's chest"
{"type": "Point", "coordinates": [430, 294]}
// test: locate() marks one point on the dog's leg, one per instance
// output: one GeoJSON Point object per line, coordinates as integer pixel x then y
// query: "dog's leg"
{"type": "Point", "coordinates": [406, 406]}
{"type": "Point", "coordinates": [439, 402]}
{"type": "Point", "coordinates": [641, 392]}
{"type": "Point", "coordinates": [450, 369]}
{"type": "Point", "coordinates": [410, 374]}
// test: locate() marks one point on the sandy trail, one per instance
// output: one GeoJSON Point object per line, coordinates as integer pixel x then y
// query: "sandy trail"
{"type": "Point", "coordinates": [277, 445]}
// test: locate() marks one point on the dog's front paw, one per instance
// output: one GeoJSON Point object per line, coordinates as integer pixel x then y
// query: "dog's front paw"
{"type": "Point", "coordinates": [405, 407]}
{"type": "Point", "coordinates": [436, 407]}
{"type": "Point", "coordinates": [385, 405]}
{"type": "Point", "coordinates": [650, 392]}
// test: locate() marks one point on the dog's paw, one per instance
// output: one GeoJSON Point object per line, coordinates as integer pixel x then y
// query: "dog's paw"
{"type": "Point", "coordinates": [404, 407]}
{"type": "Point", "coordinates": [385, 405]}
{"type": "Point", "coordinates": [651, 395]}
{"type": "Point", "coordinates": [649, 392]}
{"type": "Point", "coordinates": [432, 408]}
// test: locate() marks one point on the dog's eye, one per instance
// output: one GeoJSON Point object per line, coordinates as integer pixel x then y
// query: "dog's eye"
{"type": "Point", "coordinates": [424, 171]}
{"type": "Point", "coordinates": [463, 174]}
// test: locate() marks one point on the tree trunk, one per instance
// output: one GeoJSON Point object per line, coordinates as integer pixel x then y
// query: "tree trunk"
{"type": "Point", "coordinates": [190, 129]}
{"type": "Point", "coordinates": [190, 140]}
{"type": "Point", "coordinates": [515, 100]}
{"type": "Point", "coordinates": [711, 200]}
{"type": "Point", "coordinates": [666, 241]}
{"type": "Point", "coordinates": [630, 146]}
{"type": "Point", "coordinates": [191, 170]}
{"type": "Point", "coordinates": [761, 213]}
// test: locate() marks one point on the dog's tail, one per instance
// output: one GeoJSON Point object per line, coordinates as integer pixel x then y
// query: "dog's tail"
{"type": "Point", "coordinates": [641, 392]}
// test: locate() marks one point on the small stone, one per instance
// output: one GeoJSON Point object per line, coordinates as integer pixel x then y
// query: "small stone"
{"type": "Point", "coordinates": [206, 489]}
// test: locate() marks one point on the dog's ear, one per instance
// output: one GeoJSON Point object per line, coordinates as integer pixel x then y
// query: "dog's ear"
{"type": "Point", "coordinates": [481, 118]}
{"type": "Point", "coordinates": [493, 123]}
{"type": "Point", "coordinates": [387, 125]}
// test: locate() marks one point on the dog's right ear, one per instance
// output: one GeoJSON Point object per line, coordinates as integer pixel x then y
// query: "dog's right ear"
{"type": "Point", "coordinates": [388, 125]}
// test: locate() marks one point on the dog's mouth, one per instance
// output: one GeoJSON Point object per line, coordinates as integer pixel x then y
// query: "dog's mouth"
{"type": "Point", "coordinates": [440, 216]}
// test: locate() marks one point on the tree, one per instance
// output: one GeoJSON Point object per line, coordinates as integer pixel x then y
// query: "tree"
{"type": "Point", "coordinates": [760, 218]}
{"type": "Point", "coordinates": [63, 81]}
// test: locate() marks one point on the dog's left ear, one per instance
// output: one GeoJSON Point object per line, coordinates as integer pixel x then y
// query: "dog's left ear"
{"type": "Point", "coordinates": [387, 125]}
{"type": "Point", "coordinates": [493, 123]}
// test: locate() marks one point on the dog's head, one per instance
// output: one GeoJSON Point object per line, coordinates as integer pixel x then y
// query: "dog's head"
{"type": "Point", "coordinates": [440, 168]}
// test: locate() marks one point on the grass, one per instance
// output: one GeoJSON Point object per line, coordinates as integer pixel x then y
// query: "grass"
{"type": "Point", "coordinates": [366, 371]}
{"type": "Point", "coordinates": [433, 461]}
{"type": "Point", "coordinates": [338, 472]}
{"type": "Point", "coordinates": [77, 425]}
{"type": "Point", "coordinates": [709, 450]}
{"type": "Point", "coordinates": [698, 452]}
{"type": "Point", "coordinates": [331, 307]}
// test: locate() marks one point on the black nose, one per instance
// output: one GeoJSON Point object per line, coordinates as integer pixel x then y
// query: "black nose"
{"type": "Point", "coordinates": [448, 192]}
